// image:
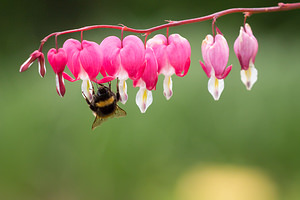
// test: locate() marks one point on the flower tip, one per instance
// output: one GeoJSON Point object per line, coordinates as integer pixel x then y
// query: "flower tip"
{"type": "Point", "coordinates": [143, 99]}
{"type": "Point", "coordinates": [168, 85]}
{"type": "Point", "coordinates": [60, 86]}
{"type": "Point", "coordinates": [42, 66]}
{"type": "Point", "coordinates": [249, 77]}
{"type": "Point", "coordinates": [215, 87]}
{"type": "Point", "coordinates": [168, 94]}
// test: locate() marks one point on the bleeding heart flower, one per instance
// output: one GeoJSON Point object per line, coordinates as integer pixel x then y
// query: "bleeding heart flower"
{"type": "Point", "coordinates": [215, 53]}
{"type": "Point", "coordinates": [123, 60]}
{"type": "Point", "coordinates": [41, 61]}
{"type": "Point", "coordinates": [58, 60]}
{"type": "Point", "coordinates": [147, 82]}
{"type": "Point", "coordinates": [173, 57]}
{"type": "Point", "coordinates": [85, 63]}
{"type": "Point", "coordinates": [245, 48]}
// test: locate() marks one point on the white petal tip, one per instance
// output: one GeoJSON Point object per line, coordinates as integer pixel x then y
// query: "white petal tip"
{"type": "Point", "coordinates": [144, 99]}
{"type": "Point", "coordinates": [123, 91]}
{"type": "Point", "coordinates": [123, 98]}
{"type": "Point", "coordinates": [215, 87]}
{"type": "Point", "coordinates": [168, 94]}
{"type": "Point", "coordinates": [249, 77]}
{"type": "Point", "coordinates": [168, 85]}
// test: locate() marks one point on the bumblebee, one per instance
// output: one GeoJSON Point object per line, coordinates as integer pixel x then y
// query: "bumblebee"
{"type": "Point", "coordinates": [104, 105]}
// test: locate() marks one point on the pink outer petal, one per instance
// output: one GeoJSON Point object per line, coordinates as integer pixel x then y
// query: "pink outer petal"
{"type": "Point", "coordinates": [245, 47]}
{"type": "Point", "coordinates": [179, 52]}
{"type": "Point", "coordinates": [207, 70]}
{"type": "Point", "coordinates": [225, 74]}
{"type": "Point", "coordinates": [90, 58]}
{"type": "Point", "coordinates": [159, 44]}
{"type": "Point", "coordinates": [132, 56]}
{"type": "Point", "coordinates": [218, 54]}
{"type": "Point", "coordinates": [206, 44]}
{"type": "Point", "coordinates": [150, 75]}
{"type": "Point", "coordinates": [42, 67]}
{"type": "Point", "coordinates": [57, 59]}
{"type": "Point", "coordinates": [68, 77]}
{"type": "Point", "coordinates": [104, 80]}
{"type": "Point", "coordinates": [71, 47]}
{"type": "Point", "coordinates": [110, 50]}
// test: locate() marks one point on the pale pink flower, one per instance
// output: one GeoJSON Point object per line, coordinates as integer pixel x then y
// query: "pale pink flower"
{"type": "Point", "coordinates": [245, 48]}
{"type": "Point", "coordinates": [173, 57]}
{"type": "Point", "coordinates": [123, 60]}
{"type": "Point", "coordinates": [147, 82]}
{"type": "Point", "coordinates": [41, 62]}
{"type": "Point", "coordinates": [215, 53]}
{"type": "Point", "coordinates": [58, 60]}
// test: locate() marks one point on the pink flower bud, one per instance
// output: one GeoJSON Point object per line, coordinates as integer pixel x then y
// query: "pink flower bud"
{"type": "Point", "coordinates": [245, 48]}
{"type": "Point", "coordinates": [41, 61]}
{"type": "Point", "coordinates": [173, 56]}
{"type": "Point", "coordinates": [215, 53]}
{"type": "Point", "coordinates": [58, 60]}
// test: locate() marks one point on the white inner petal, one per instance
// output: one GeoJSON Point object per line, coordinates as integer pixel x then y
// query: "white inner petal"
{"type": "Point", "coordinates": [57, 84]}
{"type": "Point", "coordinates": [249, 76]}
{"type": "Point", "coordinates": [215, 87]}
{"type": "Point", "coordinates": [143, 99]}
{"type": "Point", "coordinates": [168, 85]}
{"type": "Point", "coordinates": [123, 91]}
{"type": "Point", "coordinates": [87, 89]}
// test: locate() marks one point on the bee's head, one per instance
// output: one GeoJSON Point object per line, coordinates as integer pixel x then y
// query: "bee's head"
{"type": "Point", "coordinates": [102, 91]}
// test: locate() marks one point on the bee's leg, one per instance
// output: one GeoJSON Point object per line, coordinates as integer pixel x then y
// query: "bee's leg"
{"type": "Point", "coordinates": [118, 93]}
{"type": "Point", "coordinates": [93, 108]}
{"type": "Point", "coordinates": [88, 102]}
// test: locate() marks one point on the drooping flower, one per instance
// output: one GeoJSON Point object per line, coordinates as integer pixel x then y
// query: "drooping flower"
{"type": "Point", "coordinates": [173, 57]}
{"type": "Point", "coordinates": [41, 62]}
{"type": "Point", "coordinates": [215, 53]}
{"type": "Point", "coordinates": [147, 81]}
{"type": "Point", "coordinates": [84, 62]}
{"type": "Point", "coordinates": [123, 60]}
{"type": "Point", "coordinates": [58, 60]}
{"type": "Point", "coordinates": [245, 48]}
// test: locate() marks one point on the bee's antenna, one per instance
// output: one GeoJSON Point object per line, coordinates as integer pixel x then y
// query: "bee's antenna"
{"type": "Point", "coordinates": [109, 85]}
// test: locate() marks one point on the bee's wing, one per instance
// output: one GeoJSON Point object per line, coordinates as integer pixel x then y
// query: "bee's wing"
{"type": "Point", "coordinates": [119, 112]}
{"type": "Point", "coordinates": [98, 121]}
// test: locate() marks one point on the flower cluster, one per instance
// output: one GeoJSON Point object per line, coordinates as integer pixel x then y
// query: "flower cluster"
{"type": "Point", "coordinates": [119, 59]}
{"type": "Point", "coordinates": [130, 58]}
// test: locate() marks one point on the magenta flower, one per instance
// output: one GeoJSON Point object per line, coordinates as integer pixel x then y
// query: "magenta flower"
{"type": "Point", "coordinates": [215, 53]}
{"type": "Point", "coordinates": [173, 57]}
{"type": "Point", "coordinates": [245, 48]}
{"type": "Point", "coordinates": [147, 82]}
{"type": "Point", "coordinates": [84, 62]}
{"type": "Point", "coordinates": [58, 60]}
{"type": "Point", "coordinates": [41, 61]}
{"type": "Point", "coordinates": [123, 60]}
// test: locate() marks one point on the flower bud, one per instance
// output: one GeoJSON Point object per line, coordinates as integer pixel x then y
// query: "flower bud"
{"type": "Point", "coordinates": [245, 48]}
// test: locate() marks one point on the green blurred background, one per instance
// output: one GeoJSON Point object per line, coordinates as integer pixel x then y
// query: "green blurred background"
{"type": "Point", "coordinates": [189, 147]}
